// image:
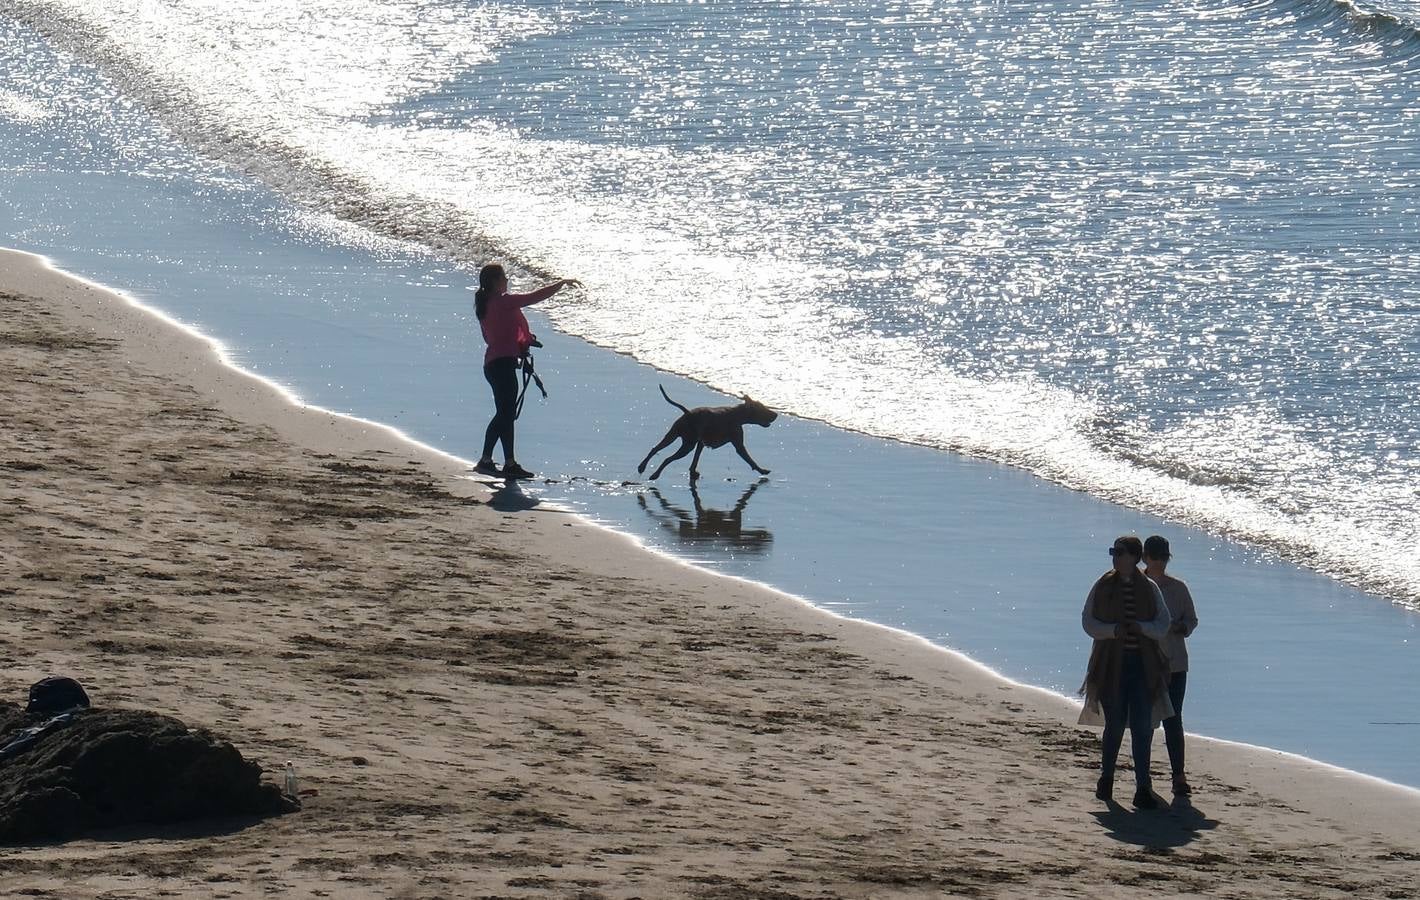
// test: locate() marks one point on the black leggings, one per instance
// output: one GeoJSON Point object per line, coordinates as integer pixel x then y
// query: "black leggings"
{"type": "Point", "coordinates": [1173, 727]}
{"type": "Point", "coordinates": [502, 375]}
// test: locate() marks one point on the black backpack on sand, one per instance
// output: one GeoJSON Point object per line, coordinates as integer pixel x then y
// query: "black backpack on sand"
{"type": "Point", "coordinates": [54, 695]}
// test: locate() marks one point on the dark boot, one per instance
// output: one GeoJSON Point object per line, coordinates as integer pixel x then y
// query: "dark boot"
{"type": "Point", "coordinates": [1104, 790]}
{"type": "Point", "coordinates": [1144, 799]}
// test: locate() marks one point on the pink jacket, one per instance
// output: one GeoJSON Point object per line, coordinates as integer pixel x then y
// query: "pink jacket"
{"type": "Point", "coordinates": [505, 328]}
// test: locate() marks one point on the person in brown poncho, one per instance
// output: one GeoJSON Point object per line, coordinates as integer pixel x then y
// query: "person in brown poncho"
{"type": "Point", "coordinates": [1128, 676]}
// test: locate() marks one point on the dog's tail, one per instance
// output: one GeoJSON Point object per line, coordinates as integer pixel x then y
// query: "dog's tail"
{"type": "Point", "coordinates": [670, 401]}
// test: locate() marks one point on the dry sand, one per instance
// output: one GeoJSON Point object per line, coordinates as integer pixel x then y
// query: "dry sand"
{"type": "Point", "coordinates": [494, 701]}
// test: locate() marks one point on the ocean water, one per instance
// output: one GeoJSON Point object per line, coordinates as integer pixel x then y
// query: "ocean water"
{"type": "Point", "coordinates": [1162, 252]}
{"type": "Point", "coordinates": [1162, 255]}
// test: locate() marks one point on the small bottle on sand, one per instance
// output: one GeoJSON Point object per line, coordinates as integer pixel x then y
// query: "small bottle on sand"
{"type": "Point", "coordinates": [290, 783]}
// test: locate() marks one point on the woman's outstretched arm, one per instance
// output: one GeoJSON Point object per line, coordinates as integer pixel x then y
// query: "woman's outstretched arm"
{"type": "Point", "coordinates": [543, 292]}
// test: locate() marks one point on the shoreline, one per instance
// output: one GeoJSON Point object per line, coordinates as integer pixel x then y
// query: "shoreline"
{"type": "Point", "coordinates": [260, 276]}
{"type": "Point", "coordinates": [934, 691]}
{"type": "Point", "coordinates": [460, 467]}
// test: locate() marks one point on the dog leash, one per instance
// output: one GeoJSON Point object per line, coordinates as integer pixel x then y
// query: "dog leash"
{"type": "Point", "coordinates": [526, 362]}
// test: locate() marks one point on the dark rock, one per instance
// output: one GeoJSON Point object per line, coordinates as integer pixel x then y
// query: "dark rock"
{"type": "Point", "coordinates": [109, 768]}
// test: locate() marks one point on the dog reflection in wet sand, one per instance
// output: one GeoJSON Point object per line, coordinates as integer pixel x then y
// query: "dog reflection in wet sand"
{"type": "Point", "coordinates": [710, 526]}
{"type": "Point", "coordinates": [710, 426]}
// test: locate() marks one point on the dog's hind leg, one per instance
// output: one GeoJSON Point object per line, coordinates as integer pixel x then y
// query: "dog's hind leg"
{"type": "Point", "coordinates": [665, 442]}
{"type": "Point", "coordinates": [683, 449]}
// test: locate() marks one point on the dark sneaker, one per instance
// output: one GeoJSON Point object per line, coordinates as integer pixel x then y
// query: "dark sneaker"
{"type": "Point", "coordinates": [1104, 790]}
{"type": "Point", "coordinates": [1145, 799]}
{"type": "Point", "coordinates": [513, 470]}
{"type": "Point", "coordinates": [486, 467]}
{"type": "Point", "coordinates": [1181, 788]}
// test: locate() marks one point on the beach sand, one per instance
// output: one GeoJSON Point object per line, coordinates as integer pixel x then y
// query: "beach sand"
{"type": "Point", "coordinates": [491, 699]}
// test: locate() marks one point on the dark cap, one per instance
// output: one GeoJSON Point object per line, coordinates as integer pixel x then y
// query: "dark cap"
{"type": "Point", "coordinates": [1156, 547]}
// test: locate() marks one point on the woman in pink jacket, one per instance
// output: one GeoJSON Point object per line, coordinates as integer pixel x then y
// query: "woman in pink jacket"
{"type": "Point", "coordinates": [505, 330]}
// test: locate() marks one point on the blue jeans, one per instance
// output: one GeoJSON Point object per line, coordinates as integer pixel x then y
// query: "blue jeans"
{"type": "Point", "coordinates": [1173, 727]}
{"type": "Point", "coordinates": [1131, 705]}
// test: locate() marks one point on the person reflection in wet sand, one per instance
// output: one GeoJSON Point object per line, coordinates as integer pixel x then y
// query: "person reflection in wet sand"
{"type": "Point", "coordinates": [716, 526]}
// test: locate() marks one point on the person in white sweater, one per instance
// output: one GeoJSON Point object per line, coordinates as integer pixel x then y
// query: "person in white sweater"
{"type": "Point", "coordinates": [1185, 619]}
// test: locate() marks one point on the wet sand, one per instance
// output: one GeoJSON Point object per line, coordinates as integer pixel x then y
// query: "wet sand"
{"type": "Point", "coordinates": [496, 700]}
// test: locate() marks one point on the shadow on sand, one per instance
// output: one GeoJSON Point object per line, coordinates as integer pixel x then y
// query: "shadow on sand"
{"type": "Point", "coordinates": [221, 826]}
{"type": "Point", "coordinates": [721, 527]}
{"type": "Point", "coordinates": [508, 496]}
{"type": "Point", "coordinates": [1173, 826]}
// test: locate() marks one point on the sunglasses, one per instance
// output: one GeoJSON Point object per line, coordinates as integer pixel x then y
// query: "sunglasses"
{"type": "Point", "coordinates": [1119, 551]}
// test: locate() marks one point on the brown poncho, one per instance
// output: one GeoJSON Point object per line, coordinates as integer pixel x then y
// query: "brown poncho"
{"type": "Point", "coordinates": [1105, 604]}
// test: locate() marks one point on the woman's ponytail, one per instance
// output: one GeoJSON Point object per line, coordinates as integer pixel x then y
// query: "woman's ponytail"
{"type": "Point", "coordinates": [489, 278]}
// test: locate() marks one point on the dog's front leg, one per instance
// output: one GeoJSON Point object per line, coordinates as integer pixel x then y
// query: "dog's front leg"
{"type": "Point", "coordinates": [695, 461]}
{"type": "Point", "coordinates": [744, 455]}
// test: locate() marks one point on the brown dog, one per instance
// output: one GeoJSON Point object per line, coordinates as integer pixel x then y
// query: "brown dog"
{"type": "Point", "coordinates": [710, 426]}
